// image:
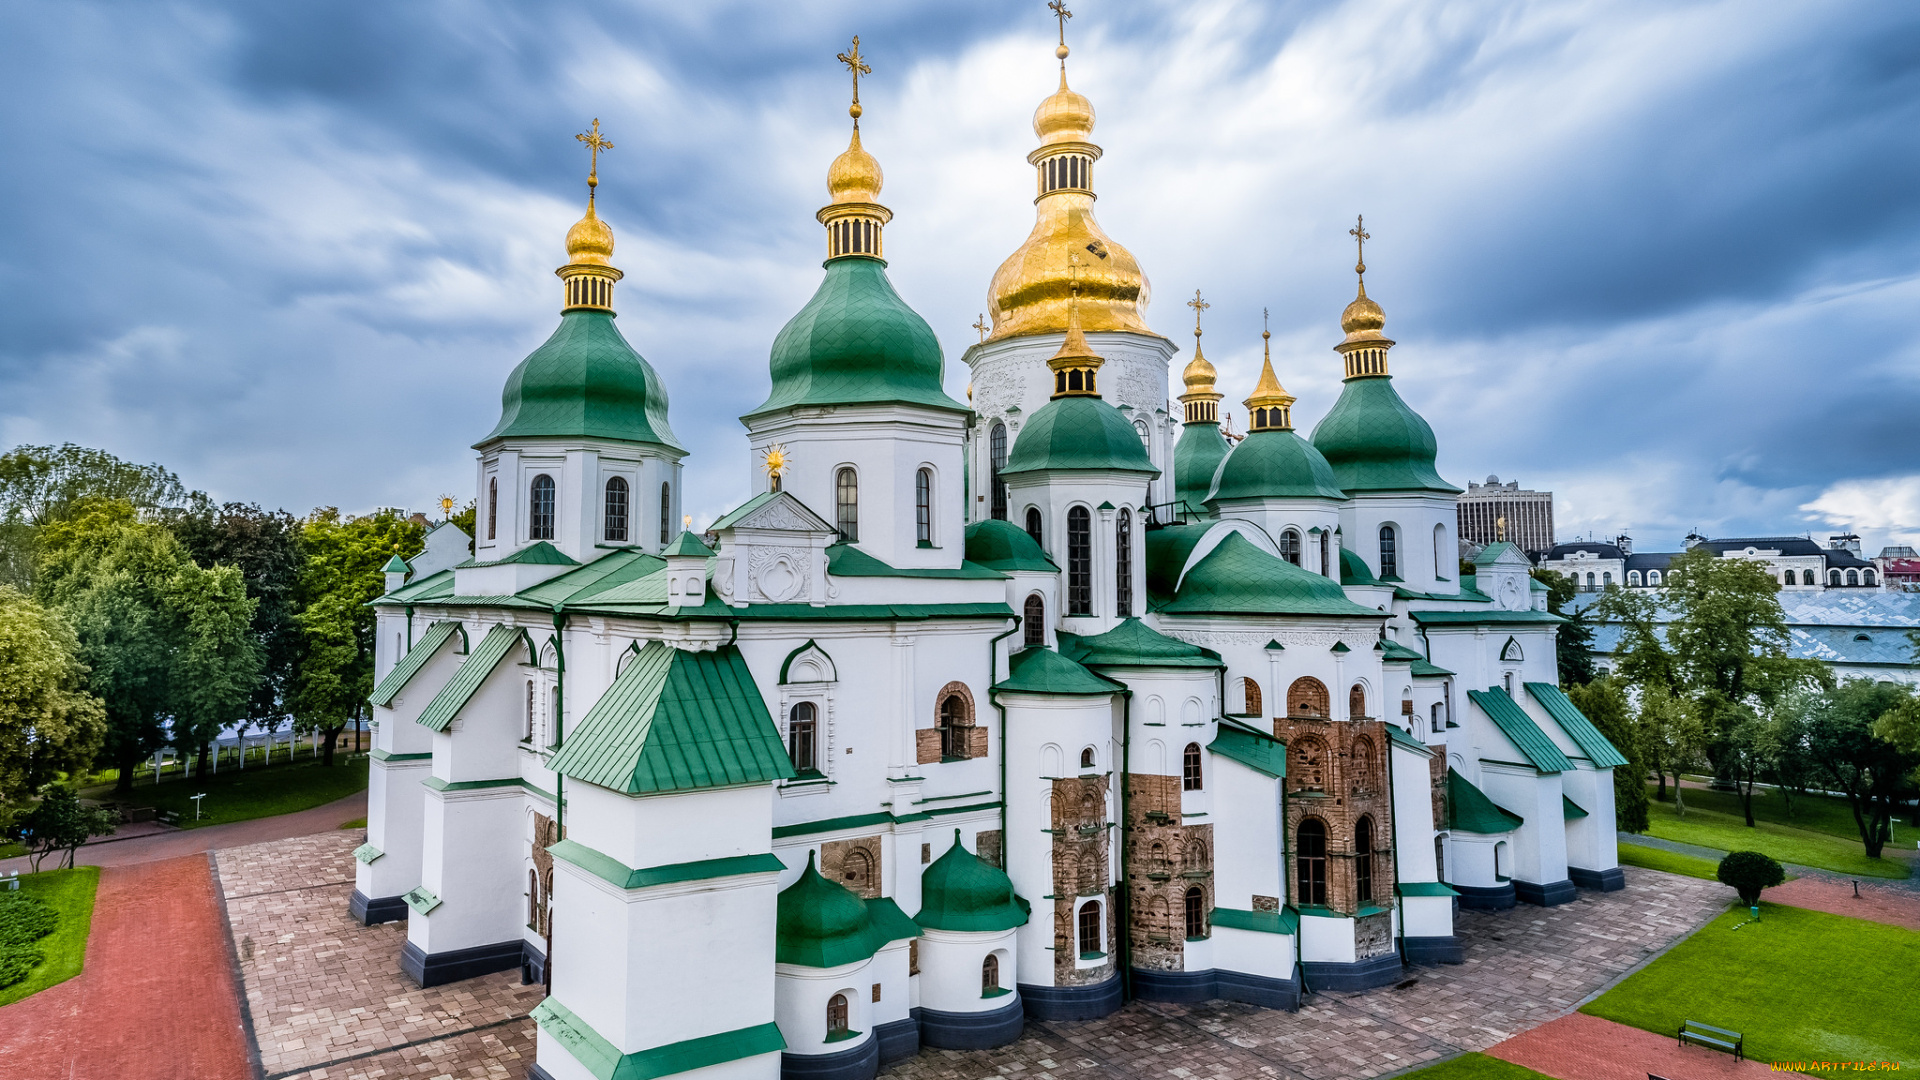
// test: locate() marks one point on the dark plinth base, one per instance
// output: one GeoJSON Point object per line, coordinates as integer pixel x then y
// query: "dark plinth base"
{"type": "Point", "coordinates": [368, 911]}
{"type": "Point", "coordinates": [1601, 880]}
{"type": "Point", "coordinates": [1186, 987]}
{"type": "Point", "coordinates": [898, 1040]}
{"type": "Point", "coordinates": [533, 964]}
{"type": "Point", "coordinates": [1176, 986]}
{"type": "Point", "coordinates": [1434, 950]}
{"type": "Point", "coordinates": [1481, 898]}
{"type": "Point", "coordinates": [860, 1063]}
{"type": "Point", "coordinates": [441, 968]}
{"type": "Point", "coordinates": [1262, 990]}
{"type": "Point", "coordinates": [972, 1031]}
{"type": "Point", "coordinates": [1359, 975]}
{"type": "Point", "coordinates": [1071, 1002]}
{"type": "Point", "coordinates": [1553, 892]}
{"type": "Point", "coordinates": [535, 1072]}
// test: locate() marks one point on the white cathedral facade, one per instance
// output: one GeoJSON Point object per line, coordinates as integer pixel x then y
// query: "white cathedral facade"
{"type": "Point", "coordinates": [973, 712]}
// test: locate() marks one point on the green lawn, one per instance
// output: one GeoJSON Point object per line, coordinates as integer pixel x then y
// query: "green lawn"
{"type": "Point", "coordinates": [1672, 862]}
{"type": "Point", "coordinates": [69, 892]}
{"type": "Point", "coordinates": [1800, 985]}
{"type": "Point", "coordinates": [244, 794]}
{"type": "Point", "coordinates": [1814, 813]}
{"type": "Point", "coordinates": [1728, 833]}
{"type": "Point", "coordinates": [1475, 1067]}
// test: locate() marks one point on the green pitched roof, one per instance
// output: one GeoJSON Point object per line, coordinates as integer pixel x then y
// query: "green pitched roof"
{"type": "Point", "coordinates": [1396, 734]}
{"type": "Point", "coordinates": [1003, 546]}
{"type": "Point", "coordinates": [539, 553]}
{"type": "Point", "coordinates": [856, 342]}
{"type": "Point", "coordinates": [1167, 552]}
{"type": "Point", "coordinates": [611, 575]}
{"type": "Point", "coordinates": [585, 381]}
{"type": "Point", "coordinates": [822, 924]}
{"type": "Point", "coordinates": [479, 664]}
{"type": "Point", "coordinates": [1490, 618]}
{"type": "Point", "coordinates": [1519, 728]}
{"type": "Point", "coordinates": [395, 565]}
{"type": "Point", "coordinates": [1043, 671]}
{"type": "Point", "coordinates": [1274, 464]}
{"type": "Point", "coordinates": [687, 544]}
{"type": "Point", "coordinates": [1428, 669]}
{"type": "Point", "coordinates": [845, 560]}
{"type": "Point", "coordinates": [1256, 750]}
{"type": "Point", "coordinates": [1597, 747]}
{"type": "Point", "coordinates": [431, 587]}
{"type": "Point", "coordinates": [1492, 552]}
{"type": "Point", "coordinates": [1354, 570]}
{"type": "Point", "coordinates": [676, 721]}
{"type": "Point", "coordinates": [1078, 431]}
{"type": "Point", "coordinates": [1239, 578]}
{"type": "Point", "coordinates": [1395, 653]}
{"type": "Point", "coordinates": [1196, 457]}
{"type": "Point", "coordinates": [416, 658]}
{"type": "Point", "coordinates": [1469, 809]}
{"type": "Point", "coordinates": [1570, 810]}
{"type": "Point", "coordinates": [960, 891]}
{"type": "Point", "coordinates": [1375, 442]}
{"type": "Point", "coordinates": [1135, 644]}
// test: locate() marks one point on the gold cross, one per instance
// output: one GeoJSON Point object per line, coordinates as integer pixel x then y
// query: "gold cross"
{"type": "Point", "coordinates": [1198, 305]}
{"type": "Point", "coordinates": [595, 143]}
{"type": "Point", "coordinates": [1264, 332]}
{"type": "Point", "coordinates": [857, 64]}
{"type": "Point", "coordinates": [1060, 12]}
{"type": "Point", "coordinates": [1360, 237]}
{"type": "Point", "coordinates": [981, 325]}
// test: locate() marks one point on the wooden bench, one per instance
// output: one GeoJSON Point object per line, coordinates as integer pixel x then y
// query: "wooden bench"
{"type": "Point", "coordinates": [1693, 1031]}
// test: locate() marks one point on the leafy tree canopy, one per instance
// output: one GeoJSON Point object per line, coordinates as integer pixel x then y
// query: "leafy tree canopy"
{"type": "Point", "coordinates": [1574, 642]}
{"type": "Point", "coordinates": [341, 575]}
{"type": "Point", "coordinates": [49, 724]}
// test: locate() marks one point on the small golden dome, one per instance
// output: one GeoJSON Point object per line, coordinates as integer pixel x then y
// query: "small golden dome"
{"type": "Point", "coordinates": [855, 175]}
{"type": "Point", "coordinates": [1363, 318]}
{"type": "Point", "coordinates": [1065, 117]}
{"type": "Point", "coordinates": [590, 241]}
{"type": "Point", "coordinates": [1199, 375]}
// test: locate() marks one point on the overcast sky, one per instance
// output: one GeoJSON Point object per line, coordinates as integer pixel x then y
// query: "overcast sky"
{"type": "Point", "coordinates": [1659, 257]}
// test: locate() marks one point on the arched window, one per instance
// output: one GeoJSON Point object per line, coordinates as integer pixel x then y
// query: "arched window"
{"type": "Point", "coordinates": [1434, 723]}
{"type": "Point", "coordinates": [1307, 764]}
{"type": "Point", "coordinates": [1034, 528]}
{"type": "Point", "coordinates": [956, 727]}
{"type": "Point", "coordinates": [1326, 554]}
{"type": "Point", "coordinates": [1034, 621]}
{"type": "Point", "coordinates": [1590, 583]}
{"type": "Point", "coordinates": [1308, 697]}
{"type": "Point", "coordinates": [1190, 778]}
{"type": "Point", "coordinates": [1363, 860]}
{"type": "Point", "coordinates": [1833, 577]}
{"type": "Point", "coordinates": [1807, 578]}
{"type": "Point", "coordinates": [846, 505]}
{"type": "Point", "coordinates": [529, 735]}
{"type": "Point", "coordinates": [1389, 554]}
{"type": "Point", "coordinates": [1357, 702]}
{"type": "Point", "coordinates": [1079, 561]}
{"type": "Point", "coordinates": [1251, 690]}
{"type": "Point", "coordinates": [1853, 578]}
{"type": "Point", "coordinates": [990, 974]}
{"type": "Point", "coordinates": [1653, 577]}
{"type": "Point", "coordinates": [1123, 564]}
{"type": "Point", "coordinates": [1866, 577]}
{"type": "Point", "coordinates": [923, 506]}
{"type": "Point", "coordinates": [1785, 579]}
{"type": "Point", "coordinates": [1196, 913]}
{"type": "Point", "coordinates": [540, 522]}
{"type": "Point", "coordinates": [1440, 568]}
{"type": "Point", "coordinates": [493, 507]}
{"type": "Point", "coordinates": [666, 514]}
{"type": "Point", "coordinates": [1146, 442]}
{"type": "Point", "coordinates": [1089, 926]}
{"type": "Point", "coordinates": [1087, 758]}
{"type": "Point", "coordinates": [1290, 546]}
{"type": "Point", "coordinates": [1508, 680]}
{"type": "Point", "coordinates": [616, 516]}
{"type": "Point", "coordinates": [1310, 862]}
{"type": "Point", "coordinates": [1361, 777]}
{"type": "Point", "coordinates": [837, 1015]}
{"type": "Point", "coordinates": [1606, 580]}
{"type": "Point", "coordinates": [1633, 577]}
{"type": "Point", "coordinates": [997, 461]}
{"type": "Point", "coordinates": [802, 732]}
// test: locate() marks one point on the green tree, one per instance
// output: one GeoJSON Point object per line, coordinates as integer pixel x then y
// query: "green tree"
{"type": "Point", "coordinates": [1671, 724]}
{"type": "Point", "coordinates": [1874, 772]}
{"type": "Point", "coordinates": [265, 546]}
{"type": "Point", "coordinates": [40, 485]}
{"type": "Point", "coordinates": [49, 724]}
{"type": "Point", "coordinates": [1791, 766]}
{"type": "Point", "coordinates": [217, 658]}
{"type": "Point", "coordinates": [1747, 872]}
{"type": "Point", "coordinates": [1574, 641]}
{"type": "Point", "coordinates": [62, 823]}
{"type": "Point", "coordinates": [1605, 703]}
{"type": "Point", "coordinates": [340, 576]}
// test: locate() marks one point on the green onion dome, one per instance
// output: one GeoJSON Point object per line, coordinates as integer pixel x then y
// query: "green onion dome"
{"type": "Point", "coordinates": [1196, 457]}
{"type": "Point", "coordinates": [821, 923]}
{"type": "Point", "coordinates": [856, 342]}
{"type": "Point", "coordinates": [1078, 432]}
{"type": "Point", "coordinates": [960, 891]}
{"type": "Point", "coordinates": [1275, 463]}
{"type": "Point", "coordinates": [585, 381]}
{"type": "Point", "coordinates": [1002, 545]}
{"type": "Point", "coordinates": [1376, 442]}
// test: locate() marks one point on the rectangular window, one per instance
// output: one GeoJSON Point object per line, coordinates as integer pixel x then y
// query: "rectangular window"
{"type": "Point", "coordinates": [923, 506]}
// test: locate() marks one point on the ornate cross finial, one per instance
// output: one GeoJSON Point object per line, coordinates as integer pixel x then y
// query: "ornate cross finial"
{"type": "Point", "coordinates": [1264, 332]}
{"type": "Point", "coordinates": [856, 64]}
{"type": "Point", "coordinates": [1360, 237]}
{"type": "Point", "coordinates": [1198, 305]}
{"type": "Point", "coordinates": [981, 325]}
{"type": "Point", "coordinates": [1060, 12]}
{"type": "Point", "coordinates": [595, 143]}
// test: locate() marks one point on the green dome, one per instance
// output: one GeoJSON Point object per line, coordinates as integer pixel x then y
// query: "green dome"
{"type": "Point", "coordinates": [856, 342]}
{"type": "Point", "coordinates": [1375, 442]}
{"type": "Point", "coordinates": [585, 381]}
{"type": "Point", "coordinates": [1237, 578]}
{"type": "Point", "coordinates": [1275, 464]}
{"type": "Point", "coordinates": [962, 892]}
{"type": "Point", "coordinates": [1078, 432]}
{"type": "Point", "coordinates": [821, 924]}
{"type": "Point", "coordinates": [1196, 457]}
{"type": "Point", "coordinates": [1002, 545]}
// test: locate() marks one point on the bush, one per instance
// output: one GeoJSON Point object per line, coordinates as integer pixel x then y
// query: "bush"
{"type": "Point", "coordinates": [1747, 872]}
{"type": "Point", "coordinates": [23, 921]}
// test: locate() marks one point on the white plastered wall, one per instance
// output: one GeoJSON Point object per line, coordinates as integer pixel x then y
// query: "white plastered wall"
{"type": "Point", "coordinates": [950, 969]}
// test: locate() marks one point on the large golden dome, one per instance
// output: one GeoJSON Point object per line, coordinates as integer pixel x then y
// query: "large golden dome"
{"type": "Point", "coordinates": [854, 176]}
{"type": "Point", "coordinates": [590, 241]}
{"type": "Point", "coordinates": [1199, 376]}
{"type": "Point", "coordinates": [1067, 116]}
{"type": "Point", "coordinates": [1363, 318]}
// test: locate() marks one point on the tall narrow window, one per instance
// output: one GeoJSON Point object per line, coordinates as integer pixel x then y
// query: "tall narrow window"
{"type": "Point", "coordinates": [1089, 926]}
{"type": "Point", "coordinates": [493, 507]}
{"type": "Point", "coordinates": [533, 900]}
{"type": "Point", "coordinates": [1310, 862]}
{"type": "Point", "coordinates": [1326, 553]}
{"type": "Point", "coordinates": [1034, 622]}
{"type": "Point", "coordinates": [1389, 555]}
{"type": "Point", "coordinates": [1363, 860]}
{"type": "Point", "coordinates": [802, 727]}
{"type": "Point", "coordinates": [923, 506]}
{"type": "Point", "coordinates": [955, 727]}
{"type": "Point", "coordinates": [1357, 702]}
{"type": "Point", "coordinates": [1196, 913]}
{"type": "Point", "coordinates": [846, 505]}
{"type": "Point", "coordinates": [836, 1015]}
{"type": "Point", "coordinates": [540, 519]}
{"type": "Point", "coordinates": [529, 735]}
{"type": "Point", "coordinates": [1123, 564]}
{"type": "Point", "coordinates": [1252, 689]}
{"type": "Point", "coordinates": [1290, 546]}
{"type": "Point", "coordinates": [1806, 578]}
{"type": "Point", "coordinates": [1079, 561]}
{"type": "Point", "coordinates": [1190, 779]}
{"type": "Point", "coordinates": [1034, 528]}
{"type": "Point", "coordinates": [990, 974]}
{"type": "Point", "coordinates": [997, 461]}
{"type": "Point", "coordinates": [666, 513]}
{"type": "Point", "coordinates": [1439, 544]}
{"type": "Point", "coordinates": [616, 531]}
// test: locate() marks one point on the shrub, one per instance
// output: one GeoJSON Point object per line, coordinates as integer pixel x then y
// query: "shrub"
{"type": "Point", "coordinates": [16, 963]}
{"type": "Point", "coordinates": [1747, 872]}
{"type": "Point", "coordinates": [25, 919]}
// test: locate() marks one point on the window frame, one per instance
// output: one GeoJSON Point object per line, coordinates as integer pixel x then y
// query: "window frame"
{"type": "Point", "coordinates": [1037, 526]}
{"type": "Point", "coordinates": [1087, 925]}
{"type": "Point", "coordinates": [923, 506]}
{"type": "Point", "coordinates": [609, 516]}
{"type": "Point", "coordinates": [542, 526]}
{"type": "Point", "coordinates": [1192, 768]}
{"type": "Point", "coordinates": [666, 512]}
{"type": "Point", "coordinates": [1310, 870]}
{"type": "Point", "coordinates": [1123, 563]}
{"type": "Point", "coordinates": [1194, 909]}
{"type": "Point", "coordinates": [1363, 859]}
{"type": "Point", "coordinates": [846, 503]}
{"type": "Point", "coordinates": [811, 734]}
{"type": "Point", "coordinates": [996, 465]}
{"type": "Point", "coordinates": [1079, 561]}
{"type": "Point", "coordinates": [1290, 545]}
{"type": "Point", "coordinates": [1389, 552]}
{"type": "Point", "coordinates": [1034, 622]}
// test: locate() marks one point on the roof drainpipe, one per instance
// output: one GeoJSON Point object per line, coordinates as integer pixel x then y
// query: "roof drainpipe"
{"type": "Point", "coordinates": [1393, 825]}
{"type": "Point", "coordinates": [1126, 886]}
{"type": "Point", "coordinates": [993, 676]}
{"type": "Point", "coordinates": [559, 781]}
{"type": "Point", "coordinates": [409, 627]}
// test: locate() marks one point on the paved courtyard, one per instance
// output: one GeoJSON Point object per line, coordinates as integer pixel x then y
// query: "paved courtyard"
{"type": "Point", "coordinates": [328, 1001]}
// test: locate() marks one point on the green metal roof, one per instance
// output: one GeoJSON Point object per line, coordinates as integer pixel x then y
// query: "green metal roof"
{"type": "Point", "coordinates": [1043, 671]}
{"type": "Point", "coordinates": [431, 587]}
{"type": "Point", "coordinates": [603, 577]}
{"type": "Point", "coordinates": [416, 658]}
{"type": "Point", "coordinates": [733, 516]}
{"type": "Point", "coordinates": [1354, 569]}
{"type": "Point", "coordinates": [539, 553]}
{"type": "Point", "coordinates": [585, 381]}
{"type": "Point", "coordinates": [1395, 653]}
{"type": "Point", "coordinates": [845, 560]}
{"type": "Point", "coordinates": [1395, 734]}
{"type": "Point", "coordinates": [1196, 457]}
{"type": "Point", "coordinates": [1426, 888]}
{"type": "Point", "coordinates": [687, 544]}
{"type": "Point", "coordinates": [1284, 921]}
{"type": "Point", "coordinates": [676, 721]}
{"type": "Point", "coordinates": [1078, 431]}
{"type": "Point", "coordinates": [823, 924]}
{"type": "Point", "coordinates": [1490, 618]}
{"type": "Point", "coordinates": [1492, 552]}
{"type": "Point", "coordinates": [1427, 669]}
{"type": "Point", "coordinates": [1375, 442]}
{"type": "Point", "coordinates": [1167, 552]}
{"type": "Point", "coordinates": [1519, 728]}
{"type": "Point", "coordinates": [1469, 809]}
{"type": "Point", "coordinates": [960, 891]}
{"type": "Point", "coordinates": [1134, 644]}
{"type": "Point", "coordinates": [1003, 546]}
{"type": "Point", "coordinates": [856, 342]}
{"type": "Point", "coordinates": [1570, 809]}
{"type": "Point", "coordinates": [480, 662]}
{"type": "Point", "coordinates": [1597, 747]}
{"type": "Point", "coordinates": [1239, 578]}
{"type": "Point", "coordinates": [1256, 750]}
{"type": "Point", "coordinates": [1274, 464]}
{"type": "Point", "coordinates": [395, 565]}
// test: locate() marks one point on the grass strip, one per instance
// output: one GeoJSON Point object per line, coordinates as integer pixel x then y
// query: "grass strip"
{"type": "Point", "coordinates": [1673, 862]}
{"type": "Point", "coordinates": [1475, 1067]}
{"type": "Point", "coordinates": [63, 952]}
{"type": "Point", "coordinates": [1727, 833]}
{"type": "Point", "coordinates": [246, 794]}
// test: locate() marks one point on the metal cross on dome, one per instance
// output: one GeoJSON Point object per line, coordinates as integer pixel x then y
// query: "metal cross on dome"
{"type": "Point", "coordinates": [1060, 12]}
{"type": "Point", "coordinates": [595, 143]}
{"type": "Point", "coordinates": [980, 324]}
{"type": "Point", "coordinates": [1360, 237]}
{"type": "Point", "coordinates": [1198, 305]}
{"type": "Point", "coordinates": [856, 64]}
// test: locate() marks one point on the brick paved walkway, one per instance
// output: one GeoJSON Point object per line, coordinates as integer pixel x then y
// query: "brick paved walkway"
{"type": "Point", "coordinates": [1581, 1047]}
{"type": "Point", "coordinates": [173, 843]}
{"type": "Point", "coordinates": [326, 994]}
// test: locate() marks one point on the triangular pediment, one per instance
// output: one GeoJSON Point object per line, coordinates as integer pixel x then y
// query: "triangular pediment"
{"type": "Point", "coordinates": [775, 511]}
